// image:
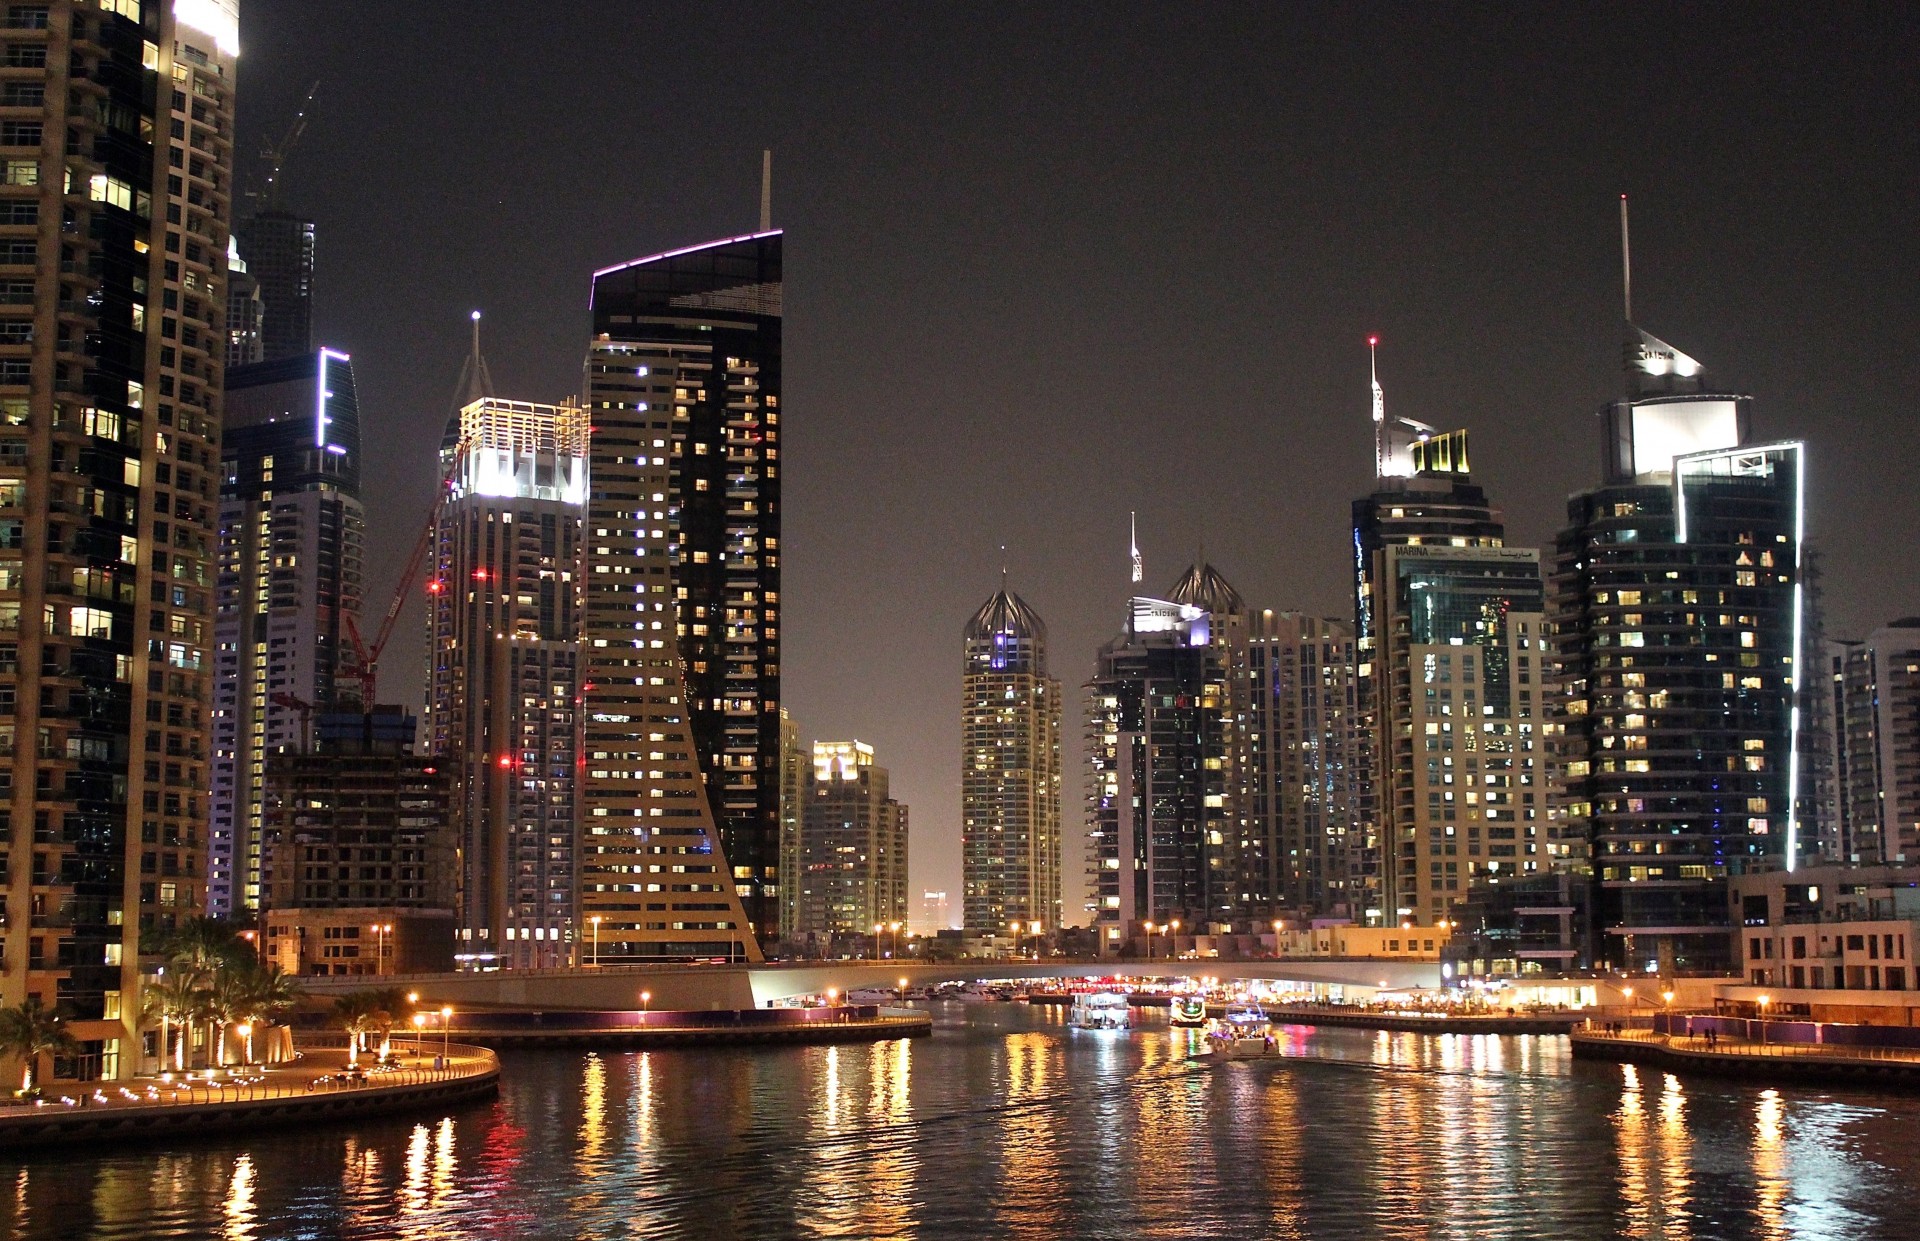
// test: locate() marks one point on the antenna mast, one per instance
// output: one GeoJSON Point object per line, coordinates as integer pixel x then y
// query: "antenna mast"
{"type": "Point", "coordinates": [1133, 545]}
{"type": "Point", "coordinates": [1626, 261]}
{"type": "Point", "coordinates": [1379, 410]}
{"type": "Point", "coordinates": [766, 191]}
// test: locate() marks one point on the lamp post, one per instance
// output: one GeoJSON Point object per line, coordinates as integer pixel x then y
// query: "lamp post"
{"type": "Point", "coordinates": [419, 1028]}
{"type": "Point", "coordinates": [380, 932]}
{"type": "Point", "coordinates": [1764, 1001]}
{"type": "Point", "coordinates": [446, 1033]}
{"type": "Point", "coordinates": [878, 927]}
{"type": "Point", "coordinates": [1173, 933]}
{"type": "Point", "coordinates": [1279, 928]}
{"type": "Point", "coordinates": [595, 920]}
{"type": "Point", "coordinates": [894, 929]}
{"type": "Point", "coordinates": [245, 1031]}
{"type": "Point", "coordinates": [1149, 943]}
{"type": "Point", "coordinates": [1037, 927]}
{"type": "Point", "coordinates": [646, 997]}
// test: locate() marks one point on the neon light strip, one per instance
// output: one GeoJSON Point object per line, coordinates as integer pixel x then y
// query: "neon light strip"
{"type": "Point", "coordinates": [674, 254]}
{"type": "Point", "coordinates": [320, 419]}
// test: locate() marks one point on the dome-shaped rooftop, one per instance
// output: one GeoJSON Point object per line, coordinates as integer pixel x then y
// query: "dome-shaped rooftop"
{"type": "Point", "coordinates": [1203, 587]}
{"type": "Point", "coordinates": [1006, 613]}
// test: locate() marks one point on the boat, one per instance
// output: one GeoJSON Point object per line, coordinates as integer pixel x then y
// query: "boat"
{"type": "Point", "coordinates": [1227, 1041]}
{"type": "Point", "coordinates": [1188, 1010]}
{"type": "Point", "coordinates": [1100, 1010]}
{"type": "Point", "coordinates": [1246, 1016]}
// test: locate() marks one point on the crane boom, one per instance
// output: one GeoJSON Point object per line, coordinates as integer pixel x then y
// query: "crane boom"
{"type": "Point", "coordinates": [276, 156]}
{"type": "Point", "coordinates": [368, 653]}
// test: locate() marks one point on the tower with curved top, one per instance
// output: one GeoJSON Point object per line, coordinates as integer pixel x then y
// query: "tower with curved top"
{"type": "Point", "coordinates": [1010, 772]}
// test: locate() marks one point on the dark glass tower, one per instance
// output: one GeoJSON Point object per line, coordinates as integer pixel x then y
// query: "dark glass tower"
{"type": "Point", "coordinates": [701, 329]}
{"type": "Point", "coordinates": [1676, 614]}
{"type": "Point", "coordinates": [292, 538]}
{"type": "Point", "coordinates": [277, 247]}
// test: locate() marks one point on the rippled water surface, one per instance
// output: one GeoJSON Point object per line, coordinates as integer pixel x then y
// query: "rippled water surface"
{"type": "Point", "coordinates": [1006, 1124]}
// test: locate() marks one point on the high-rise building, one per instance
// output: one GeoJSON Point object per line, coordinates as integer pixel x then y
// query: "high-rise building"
{"type": "Point", "coordinates": [1159, 735]}
{"type": "Point", "coordinates": [1306, 759]}
{"type": "Point", "coordinates": [117, 156]}
{"type": "Point", "coordinates": [246, 313]}
{"type": "Point", "coordinates": [936, 912]}
{"type": "Point", "coordinates": [1874, 686]}
{"type": "Point", "coordinates": [1457, 780]}
{"type": "Point", "coordinates": [1244, 855]}
{"type": "Point", "coordinates": [1677, 622]}
{"type": "Point", "coordinates": [503, 676]}
{"type": "Point", "coordinates": [691, 340]}
{"type": "Point", "coordinates": [853, 847]}
{"type": "Point", "coordinates": [361, 851]}
{"type": "Point", "coordinates": [653, 868]}
{"type": "Point", "coordinates": [1423, 496]}
{"type": "Point", "coordinates": [291, 549]}
{"type": "Point", "coordinates": [277, 247]}
{"type": "Point", "coordinates": [1009, 770]}
{"type": "Point", "coordinates": [1850, 812]}
{"type": "Point", "coordinates": [796, 759]}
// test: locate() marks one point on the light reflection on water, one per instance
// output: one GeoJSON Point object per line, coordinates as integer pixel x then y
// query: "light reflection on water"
{"type": "Point", "coordinates": [1006, 1123]}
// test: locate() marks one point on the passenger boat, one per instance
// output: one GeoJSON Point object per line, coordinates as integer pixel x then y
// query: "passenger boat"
{"type": "Point", "coordinates": [1188, 1010]}
{"type": "Point", "coordinates": [1244, 1015]}
{"type": "Point", "coordinates": [1100, 1010]}
{"type": "Point", "coordinates": [1227, 1041]}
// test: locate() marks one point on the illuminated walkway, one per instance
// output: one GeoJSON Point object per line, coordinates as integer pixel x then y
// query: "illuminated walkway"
{"type": "Point", "coordinates": [314, 1088]}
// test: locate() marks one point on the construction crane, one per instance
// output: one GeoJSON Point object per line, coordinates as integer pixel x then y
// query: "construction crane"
{"type": "Point", "coordinates": [367, 654]}
{"type": "Point", "coordinates": [276, 156]}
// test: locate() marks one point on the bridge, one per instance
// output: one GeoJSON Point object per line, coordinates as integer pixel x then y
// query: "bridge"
{"type": "Point", "coordinates": [702, 987]}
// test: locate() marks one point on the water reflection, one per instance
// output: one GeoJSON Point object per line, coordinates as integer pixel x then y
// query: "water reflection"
{"type": "Point", "coordinates": [239, 1205]}
{"type": "Point", "coordinates": [1007, 1124]}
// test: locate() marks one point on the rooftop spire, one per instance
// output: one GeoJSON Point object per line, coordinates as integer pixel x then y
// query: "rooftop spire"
{"type": "Point", "coordinates": [1379, 409]}
{"type": "Point", "coordinates": [1626, 262]}
{"type": "Point", "coordinates": [1133, 545]}
{"type": "Point", "coordinates": [766, 191]}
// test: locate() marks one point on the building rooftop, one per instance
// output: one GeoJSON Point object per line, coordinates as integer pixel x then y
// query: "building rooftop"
{"type": "Point", "coordinates": [1006, 613]}
{"type": "Point", "coordinates": [1203, 587]}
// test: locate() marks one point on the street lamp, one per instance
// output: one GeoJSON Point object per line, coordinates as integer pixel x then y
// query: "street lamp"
{"type": "Point", "coordinates": [832, 994]}
{"type": "Point", "coordinates": [245, 1031]}
{"type": "Point", "coordinates": [894, 927]}
{"type": "Point", "coordinates": [419, 1028]}
{"type": "Point", "coordinates": [646, 997]}
{"type": "Point", "coordinates": [878, 927]}
{"type": "Point", "coordinates": [1279, 928]}
{"type": "Point", "coordinates": [1149, 942]}
{"type": "Point", "coordinates": [380, 932]}
{"type": "Point", "coordinates": [446, 1033]}
{"type": "Point", "coordinates": [1764, 1001]}
{"type": "Point", "coordinates": [1173, 929]}
{"type": "Point", "coordinates": [595, 920]}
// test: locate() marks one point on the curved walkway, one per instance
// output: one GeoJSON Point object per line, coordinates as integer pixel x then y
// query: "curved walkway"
{"type": "Point", "coordinates": [312, 1090]}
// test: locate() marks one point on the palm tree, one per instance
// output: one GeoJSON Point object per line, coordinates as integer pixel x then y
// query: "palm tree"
{"type": "Point", "coordinates": [206, 946]}
{"type": "Point", "coordinates": [356, 1011]}
{"type": "Point", "coordinates": [166, 1002]}
{"type": "Point", "coordinates": [31, 1030]}
{"type": "Point", "coordinates": [226, 1004]}
{"type": "Point", "coordinates": [263, 995]}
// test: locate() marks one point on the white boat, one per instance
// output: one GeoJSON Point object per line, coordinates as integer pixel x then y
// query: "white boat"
{"type": "Point", "coordinates": [1100, 1010]}
{"type": "Point", "coordinates": [1238, 1040]}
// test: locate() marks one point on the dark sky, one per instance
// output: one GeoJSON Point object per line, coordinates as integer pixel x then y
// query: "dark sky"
{"type": "Point", "coordinates": [1047, 264]}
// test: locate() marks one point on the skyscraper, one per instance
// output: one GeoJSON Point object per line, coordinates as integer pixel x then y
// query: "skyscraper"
{"type": "Point", "coordinates": [693, 337]}
{"type": "Point", "coordinates": [796, 759]}
{"type": "Point", "coordinates": [1874, 686]}
{"type": "Point", "coordinates": [1160, 826]}
{"type": "Point", "coordinates": [1421, 496]}
{"type": "Point", "coordinates": [652, 865]}
{"type": "Point", "coordinates": [112, 332]}
{"type": "Point", "coordinates": [853, 847]}
{"type": "Point", "coordinates": [503, 677]}
{"type": "Point", "coordinates": [246, 313]}
{"type": "Point", "coordinates": [277, 247]}
{"type": "Point", "coordinates": [291, 549]}
{"type": "Point", "coordinates": [1009, 770]}
{"type": "Point", "coordinates": [1306, 760]}
{"type": "Point", "coordinates": [1676, 613]}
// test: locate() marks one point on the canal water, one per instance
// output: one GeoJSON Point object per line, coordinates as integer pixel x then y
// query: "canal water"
{"type": "Point", "coordinates": [1004, 1123]}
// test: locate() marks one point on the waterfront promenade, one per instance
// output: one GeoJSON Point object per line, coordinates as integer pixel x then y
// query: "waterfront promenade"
{"type": "Point", "coordinates": [316, 1088]}
{"type": "Point", "coordinates": [847, 1023]}
{"type": "Point", "coordinates": [1758, 1060]}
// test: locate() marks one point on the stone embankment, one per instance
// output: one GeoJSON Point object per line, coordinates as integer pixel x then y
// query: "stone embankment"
{"type": "Point", "coordinates": [725, 1028]}
{"type": "Point", "coordinates": [144, 1110]}
{"type": "Point", "coordinates": [1754, 1061]}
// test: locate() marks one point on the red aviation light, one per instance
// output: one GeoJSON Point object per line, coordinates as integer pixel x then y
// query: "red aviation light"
{"type": "Point", "coordinates": [506, 760]}
{"type": "Point", "coordinates": [479, 575]}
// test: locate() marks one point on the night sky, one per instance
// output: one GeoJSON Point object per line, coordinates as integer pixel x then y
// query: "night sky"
{"type": "Point", "coordinates": [1046, 264]}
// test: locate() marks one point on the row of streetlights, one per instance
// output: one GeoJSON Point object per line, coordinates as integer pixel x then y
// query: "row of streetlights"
{"type": "Point", "coordinates": [420, 1026]}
